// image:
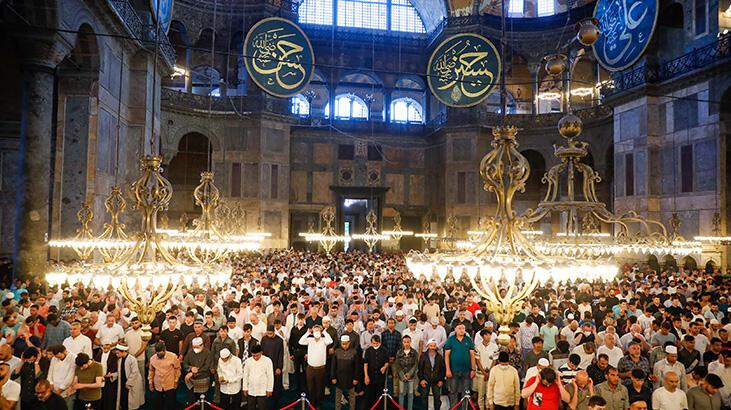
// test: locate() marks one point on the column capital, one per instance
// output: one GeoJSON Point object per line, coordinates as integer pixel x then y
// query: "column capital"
{"type": "Point", "coordinates": [42, 51]}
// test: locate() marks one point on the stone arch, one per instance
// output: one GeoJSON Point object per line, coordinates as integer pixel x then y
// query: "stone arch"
{"type": "Point", "coordinates": [83, 137]}
{"type": "Point", "coordinates": [710, 266]}
{"type": "Point", "coordinates": [653, 263]}
{"type": "Point", "coordinates": [191, 158]}
{"type": "Point", "coordinates": [669, 263]}
{"type": "Point", "coordinates": [173, 141]}
{"type": "Point", "coordinates": [689, 263]}
{"type": "Point", "coordinates": [670, 36]}
{"type": "Point", "coordinates": [361, 77]}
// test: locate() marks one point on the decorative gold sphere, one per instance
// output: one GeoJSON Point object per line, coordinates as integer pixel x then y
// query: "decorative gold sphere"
{"type": "Point", "coordinates": [555, 63]}
{"type": "Point", "coordinates": [588, 31]}
{"type": "Point", "coordinates": [570, 126]}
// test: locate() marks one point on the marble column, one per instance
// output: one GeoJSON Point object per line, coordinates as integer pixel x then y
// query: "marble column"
{"type": "Point", "coordinates": [36, 144]}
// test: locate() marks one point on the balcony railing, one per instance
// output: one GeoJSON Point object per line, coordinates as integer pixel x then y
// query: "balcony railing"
{"type": "Point", "coordinates": [478, 115]}
{"type": "Point", "coordinates": [179, 100]}
{"type": "Point", "coordinates": [144, 33]}
{"type": "Point", "coordinates": [708, 55]}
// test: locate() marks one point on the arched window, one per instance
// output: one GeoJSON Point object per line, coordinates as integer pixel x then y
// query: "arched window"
{"type": "Point", "coordinates": [546, 7]}
{"type": "Point", "coordinates": [368, 14]}
{"type": "Point", "coordinates": [406, 110]}
{"type": "Point", "coordinates": [300, 106]}
{"type": "Point", "coordinates": [205, 79]}
{"type": "Point", "coordinates": [348, 107]}
{"type": "Point", "coordinates": [216, 92]}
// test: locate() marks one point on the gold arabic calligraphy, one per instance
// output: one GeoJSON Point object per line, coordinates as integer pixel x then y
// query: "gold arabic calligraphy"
{"type": "Point", "coordinates": [279, 59]}
{"type": "Point", "coordinates": [464, 66]}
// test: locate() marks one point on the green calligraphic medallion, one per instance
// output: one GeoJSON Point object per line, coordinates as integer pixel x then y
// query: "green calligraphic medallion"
{"type": "Point", "coordinates": [279, 57]}
{"type": "Point", "coordinates": [463, 69]}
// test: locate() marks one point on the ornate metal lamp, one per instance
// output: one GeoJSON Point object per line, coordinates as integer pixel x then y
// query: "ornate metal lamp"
{"type": "Point", "coordinates": [371, 236]}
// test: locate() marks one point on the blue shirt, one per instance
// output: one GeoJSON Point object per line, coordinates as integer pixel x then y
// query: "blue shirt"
{"type": "Point", "coordinates": [459, 353]}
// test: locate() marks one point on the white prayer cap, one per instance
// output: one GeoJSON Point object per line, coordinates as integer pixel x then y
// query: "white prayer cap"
{"type": "Point", "coordinates": [399, 313]}
{"type": "Point", "coordinates": [197, 341]}
{"type": "Point", "coordinates": [391, 300]}
{"type": "Point", "coordinates": [543, 362]}
{"type": "Point", "coordinates": [671, 349]}
{"type": "Point", "coordinates": [489, 324]}
{"type": "Point", "coordinates": [344, 338]}
{"type": "Point", "coordinates": [225, 353]}
{"type": "Point", "coordinates": [434, 320]}
{"type": "Point", "coordinates": [570, 316]}
{"type": "Point", "coordinates": [326, 319]}
{"type": "Point", "coordinates": [715, 322]}
{"type": "Point", "coordinates": [9, 295]}
{"type": "Point", "coordinates": [431, 341]}
{"type": "Point", "coordinates": [121, 347]}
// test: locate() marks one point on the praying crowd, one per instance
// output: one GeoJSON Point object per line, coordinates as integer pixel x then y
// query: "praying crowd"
{"type": "Point", "coordinates": [343, 327]}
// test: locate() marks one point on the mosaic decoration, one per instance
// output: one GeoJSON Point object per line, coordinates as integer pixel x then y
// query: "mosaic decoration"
{"type": "Point", "coordinates": [463, 69]}
{"type": "Point", "coordinates": [279, 57]}
{"type": "Point", "coordinates": [626, 30]}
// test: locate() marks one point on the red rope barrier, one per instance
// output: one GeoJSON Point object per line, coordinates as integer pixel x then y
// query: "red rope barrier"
{"type": "Point", "coordinates": [458, 404]}
{"type": "Point", "coordinates": [472, 404]}
{"type": "Point", "coordinates": [294, 403]}
{"type": "Point", "coordinates": [377, 403]}
{"type": "Point", "coordinates": [213, 405]}
{"type": "Point", "coordinates": [310, 405]}
{"type": "Point", "coordinates": [395, 403]}
{"type": "Point", "coordinates": [191, 406]}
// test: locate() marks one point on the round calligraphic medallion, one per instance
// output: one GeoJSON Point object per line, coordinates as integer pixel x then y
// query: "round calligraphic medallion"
{"type": "Point", "coordinates": [279, 57]}
{"type": "Point", "coordinates": [463, 69]}
{"type": "Point", "coordinates": [626, 30]}
{"type": "Point", "coordinates": [165, 14]}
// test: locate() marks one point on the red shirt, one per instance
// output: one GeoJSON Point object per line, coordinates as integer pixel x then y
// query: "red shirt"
{"type": "Point", "coordinates": [545, 397]}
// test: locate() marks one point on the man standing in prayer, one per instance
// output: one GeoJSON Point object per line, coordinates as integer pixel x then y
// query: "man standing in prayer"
{"type": "Point", "coordinates": [273, 347]}
{"type": "Point", "coordinates": [258, 380]}
{"type": "Point", "coordinates": [230, 373]}
{"type": "Point", "coordinates": [345, 371]}
{"type": "Point", "coordinates": [163, 377]}
{"type": "Point", "coordinates": [669, 397]}
{"type": "Point", "coordinates": [503, 386]}
{"type": "Point", "coordinates": [197, 364]}
{"type": "Point", "coordinates": [459, 357]}
{"type": "Point", "coordinates": [317, 343]}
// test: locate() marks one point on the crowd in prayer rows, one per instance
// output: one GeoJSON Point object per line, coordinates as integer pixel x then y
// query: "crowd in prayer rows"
{"type": "Point", "coordinates": [343, 327]}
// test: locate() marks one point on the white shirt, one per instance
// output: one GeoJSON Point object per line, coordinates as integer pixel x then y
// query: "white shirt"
{"type": "Point", "coordinates": [614, 354]}
{"type": "Point", "coordinates": [724, 373]}
{"type": "Point", "coordinates": [415, 336]}
{"type": "Point", "coordinates": [438, 334]}
{"type": "Point", "coordinates": [113, 334]}
{"type": "Point", "coordinates": [485, 354]}
{"type": "Point", "coordinates": [236, 333]}
{"type": "Point", "coordinates": [79, 344]}
{"type": "Point", "coordinates": [11, 392]}
{"type": "Point", "coordinates": [569, 334]}
{"type": "Point", "coordinates": [258, 330]}
{"type": "Point", "coordinates": [664, 400]}
{"type": "Point", "coordinates": [232, 371]}
{"type": "Point", "coordinates": [61, 372]}
{"type": "Point", "coordinates": [316, 349]}
{"type": "Point", "coordinates": [103, 360]}
{"type": "Point", "coordinates": [258, 376]}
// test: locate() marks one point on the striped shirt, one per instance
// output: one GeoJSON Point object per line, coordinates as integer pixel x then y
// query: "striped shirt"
{"type": "Point", "coordinates": [567, 373]}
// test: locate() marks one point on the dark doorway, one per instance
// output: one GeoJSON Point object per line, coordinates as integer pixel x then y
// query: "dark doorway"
{"type": "Point", "coordinates": [354, 211]}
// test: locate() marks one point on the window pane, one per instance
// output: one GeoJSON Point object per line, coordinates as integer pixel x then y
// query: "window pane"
{"type": "Point", "coordinates": [405, 18]}
{"type": "Point", "coordinates": [363, 13]}
{"type": "Point", "coordinates": [359, 109]}
{"type": "Point", "coordinates": [545, 7]}
{"type": "Point", "coordinates": [700, 16]}
{"type": "Point", "coordinates": [406, 110]}
{"type": "Point", "coordinates": [300, 106]}
{"type": "Point", "coordinates": [516, 7]}
{"type": "Point", "coordinates": [316, 12]}
{"type": "Point", "coordinates": [686, 168]}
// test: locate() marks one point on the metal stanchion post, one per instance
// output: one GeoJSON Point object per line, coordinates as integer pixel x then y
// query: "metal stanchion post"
{"type": "Point", "coordinates": [203, 402]}
{"type": "Point", "coordinates": [303, 399]}
{"type": "Point", "coordinates": [385, 399]}
{"type": "Point", "coordinates": [466, 400]}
